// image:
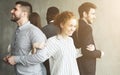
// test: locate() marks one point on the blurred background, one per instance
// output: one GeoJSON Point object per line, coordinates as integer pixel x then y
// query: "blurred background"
{"type": "Point", "coordinates": [106, 30]}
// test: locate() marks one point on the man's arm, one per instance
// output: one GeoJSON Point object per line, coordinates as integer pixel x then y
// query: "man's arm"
{"type": "Point", "coordinates": [87, 39]}
{"type": "Point", "coordinates": [40, 56]}
{"type": "Point", "coordinates": [29, 59]}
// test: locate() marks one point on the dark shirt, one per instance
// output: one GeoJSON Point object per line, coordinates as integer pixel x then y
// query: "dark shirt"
{"type": "Point", "coordinates": [50, 30]}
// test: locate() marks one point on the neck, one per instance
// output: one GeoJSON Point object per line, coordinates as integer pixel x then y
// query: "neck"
{"type": "Point", "coordinates": [22, 21]}
{"type": "Point", "coordinates": [64, 35]}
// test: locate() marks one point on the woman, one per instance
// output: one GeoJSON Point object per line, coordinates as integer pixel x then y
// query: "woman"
{"type": "Point", "coordinates": [63, 52]}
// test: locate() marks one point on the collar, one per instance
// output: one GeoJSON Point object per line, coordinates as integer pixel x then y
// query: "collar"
{"type": "Point", "coordinates": [25, 25]}
{"type": "Point", "coordinates": [60, 37]}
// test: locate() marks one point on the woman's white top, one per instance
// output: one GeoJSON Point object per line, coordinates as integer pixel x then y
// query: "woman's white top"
{"type": "Point", "coordinates": [63, 61]}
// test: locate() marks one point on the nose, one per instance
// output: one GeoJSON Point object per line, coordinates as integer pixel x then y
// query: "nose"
{"type": "Point", "coordinates": [12, 11]}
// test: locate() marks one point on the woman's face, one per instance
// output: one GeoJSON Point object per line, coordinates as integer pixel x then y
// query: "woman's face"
{"type": "Point", "coordinates": [69, 27]}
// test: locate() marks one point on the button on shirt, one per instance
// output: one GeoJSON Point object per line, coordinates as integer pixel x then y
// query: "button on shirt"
{"type": "Point", "coordinates": [23, 39]}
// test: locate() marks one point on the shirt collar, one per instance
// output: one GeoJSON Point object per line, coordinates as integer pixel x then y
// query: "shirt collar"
{"type": "Point", "coordinates": [60, 37]}
{"type": "Point", "coordinates": [25, 25]}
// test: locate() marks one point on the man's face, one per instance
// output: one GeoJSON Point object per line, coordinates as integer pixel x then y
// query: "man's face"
{"type": "Point", "coordinates": [91, 16]}
{"type": "Point", "coordinates": [16, 13]}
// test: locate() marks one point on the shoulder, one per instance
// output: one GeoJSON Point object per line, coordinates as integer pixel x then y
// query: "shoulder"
{"type": "Point", "coordinates": [83, 26]}
{"type": "Point", "coordinates": [33, 28]}
{"type": "Point", "coordinates": [71, 39]}
{"type": "Point", "coordinates": [82, 23]}
{"type": "Point", "coordinates": [45, 28]}
{"type": "Point", "coordinates": [53, 38]}
{"type": "Point", "coordinates": [35, 31]}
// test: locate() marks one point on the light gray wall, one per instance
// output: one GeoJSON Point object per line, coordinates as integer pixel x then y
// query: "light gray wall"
{"type": "Point", "coordinates": [106, 29]}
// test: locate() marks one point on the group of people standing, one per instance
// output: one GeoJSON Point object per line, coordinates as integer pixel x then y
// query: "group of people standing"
{"type": "Point", "coordinates": [65, 45]}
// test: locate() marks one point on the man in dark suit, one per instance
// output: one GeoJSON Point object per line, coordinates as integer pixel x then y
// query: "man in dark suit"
{"type": "Point", "coordinates": [50, 29]}
{"type": "Point", "coordinates": [84, 37]}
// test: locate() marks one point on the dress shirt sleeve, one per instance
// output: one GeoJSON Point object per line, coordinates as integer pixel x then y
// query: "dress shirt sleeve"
{"type": "Point", "coordinates": [42, 55]}
{"type": "Point", "coordinates": [36, 35]}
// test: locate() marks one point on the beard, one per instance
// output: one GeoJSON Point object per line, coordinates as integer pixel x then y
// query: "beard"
{"type": "Point", "coordinates": [15, 19]}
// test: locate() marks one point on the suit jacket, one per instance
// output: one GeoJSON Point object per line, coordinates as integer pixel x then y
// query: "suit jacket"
{"type": "Point", "coordinates": [50, 30]}
{"type": "Point", "coordinates": [84, 37]}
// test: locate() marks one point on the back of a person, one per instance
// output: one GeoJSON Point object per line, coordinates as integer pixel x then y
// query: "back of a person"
{"type": "Point", "coordinates": [50, 30]}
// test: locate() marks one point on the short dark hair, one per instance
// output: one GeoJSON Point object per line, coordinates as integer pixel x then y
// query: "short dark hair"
{"type": "Point", "coordinates": [26, 6]}
{"type": "Point", "coordinates": [51, 13]}
{"type": "Point", "coordinates": [85, 7]}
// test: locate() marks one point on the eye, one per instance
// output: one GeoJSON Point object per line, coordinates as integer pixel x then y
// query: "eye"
{"type": "Point", "coordinates": [93, 13]}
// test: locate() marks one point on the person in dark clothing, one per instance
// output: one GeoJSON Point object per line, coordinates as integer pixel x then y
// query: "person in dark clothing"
{"type": "Point", "coordinates": [84, 37]}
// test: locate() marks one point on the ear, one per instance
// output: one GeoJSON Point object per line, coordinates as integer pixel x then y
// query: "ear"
{"type": "Point", "coordinates": [24, 13]}
{"type": "Point", "coordinates": [61, 25]}
{"type": "Point", "coordinates": [84, 14]}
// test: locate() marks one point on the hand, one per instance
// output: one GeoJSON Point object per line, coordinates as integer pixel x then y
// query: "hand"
{"type": "Point", "coordinates": [5, 59]}
{"type": "Point", "coordinates": [90, 47]}
{"type": "Point", "coordinates": [11, 60]}
{"type": "Point", "coordinates": [102, 53]}
{"type": "Point", "coordinates": [33, 50]}
{"type": "Point", "coordinates": [37, 45]}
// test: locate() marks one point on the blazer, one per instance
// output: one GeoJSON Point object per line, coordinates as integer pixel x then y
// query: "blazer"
{"type": "Point", "coordinates": [84, 37]}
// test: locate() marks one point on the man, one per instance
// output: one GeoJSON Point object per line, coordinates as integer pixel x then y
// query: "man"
{"type": "Point", "coordinates": [50, 29]}
{"type": "Point", "coordinates": [25, 36]}
{"type": "Point", "coordinates": [84, 37]}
